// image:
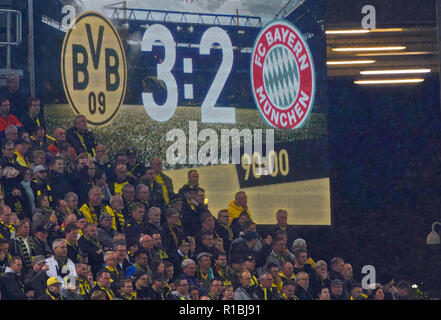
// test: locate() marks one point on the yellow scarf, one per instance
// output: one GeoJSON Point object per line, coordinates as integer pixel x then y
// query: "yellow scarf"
{"type": "Point", "coordinates": [164, 189]}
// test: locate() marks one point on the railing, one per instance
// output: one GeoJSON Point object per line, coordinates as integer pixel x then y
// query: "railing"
{"type": "Point", "coordinates": [184, 17]}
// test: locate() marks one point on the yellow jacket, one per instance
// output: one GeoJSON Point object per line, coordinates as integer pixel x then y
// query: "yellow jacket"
{"type": "Point", "coordinates": [234, 210]}
{"type": "Point", "coordinates": [85, 210]}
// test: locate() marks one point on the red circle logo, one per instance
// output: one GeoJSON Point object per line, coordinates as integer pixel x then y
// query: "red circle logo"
{"type": "Point", "coordinates": [282, 75]}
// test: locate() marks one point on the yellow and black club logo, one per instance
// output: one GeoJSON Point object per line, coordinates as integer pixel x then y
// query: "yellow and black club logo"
{"type": "Point", "coordinates": [94, 69]}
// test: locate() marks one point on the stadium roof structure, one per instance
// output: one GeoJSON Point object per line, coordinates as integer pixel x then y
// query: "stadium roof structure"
{"type": "Point", "coordinates": [148, 15]}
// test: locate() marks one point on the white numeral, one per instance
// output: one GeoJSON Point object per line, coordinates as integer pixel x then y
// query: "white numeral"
{"type": "Point", "coordinates": [209, 113]}
{"type": "Point", "coordinates": [166, 111]}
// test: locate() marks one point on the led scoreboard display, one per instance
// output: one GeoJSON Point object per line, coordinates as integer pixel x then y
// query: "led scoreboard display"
{"type": "Point", "coordinates": [237, 93]}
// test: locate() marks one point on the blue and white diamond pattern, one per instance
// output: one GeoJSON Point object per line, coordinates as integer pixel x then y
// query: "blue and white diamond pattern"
{"type": "Point", "coordinates": [281, 77]}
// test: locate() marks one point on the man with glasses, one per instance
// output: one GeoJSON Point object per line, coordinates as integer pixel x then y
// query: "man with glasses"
{"type": "Point", "coordinates": [181, 291]}
{"type": "Point", "coordinates": [215, 289]}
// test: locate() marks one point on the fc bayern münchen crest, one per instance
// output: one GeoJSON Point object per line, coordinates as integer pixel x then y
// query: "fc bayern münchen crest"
{"type": "Point", "coordinates": [282, 75]}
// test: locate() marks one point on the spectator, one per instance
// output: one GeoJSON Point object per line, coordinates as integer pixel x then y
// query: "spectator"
{"type": "Point", "coordinates": [12, 282]}
{"type": "Point", "coordinates": [239, 205]}
{"type": "Point", "coordinates": [135, 224]}
{"type": "Point", "coordinates": [289, 290]}
{"type": "Point", "coordinates": [53, 291]}
{"type": "Point", "coordinates": [15, 94]}
{"type": "Point", "coordinates": [357, 292]}
{"type": "Point", "coordinates": [33, 117]}
{"type": "Point", "coordinates": [302, 290]}
{"type": "Point", "coordinates": [103, 281]}
{"type": "Point", "coordinates": [192, 183]}
{"type": "Point", "coordinates": [106, 233]}
{"type": "Point", "coordinates": [337, 290]}
{"type": "Point", "coordinates": [325, 294]}
{"type": "Point", "coordinates": [91, 248]}
{"type": "Point", "coordinates": [165, 181]}
{"type": "Point", "coordinates": [135, 168]}
{"type": "Point", "coordinates": [80, 137]}
{"type": "Point", "coordinates": [265, 290]}
{"type": "Point", "coordinates": [244, 291]}
{"type": "Point", "coordinates": [181, 291]}
{"type": "Point", "coordinates": [60, 266]}
{"type": "Point", "coordinates": [35, 279]}
{"type": "Point", "coordinates": [7, 118]}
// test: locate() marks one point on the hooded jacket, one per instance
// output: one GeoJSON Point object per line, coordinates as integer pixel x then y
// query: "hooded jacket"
{"type": "Point", "coordinates": [235, 210]}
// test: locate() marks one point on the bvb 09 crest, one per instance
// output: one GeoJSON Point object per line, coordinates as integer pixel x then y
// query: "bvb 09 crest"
{"type": "Point", "coordinates": [282, 75]}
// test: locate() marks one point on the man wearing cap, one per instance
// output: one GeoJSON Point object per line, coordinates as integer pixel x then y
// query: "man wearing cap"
{"type": "Point", "coordinates": [134, 167]}
{"type": "Point", "coordinates": [39, 183]}
{"type": "Point", "coordinates": [337, 290]}
{"type": "Point", "coordinates": [106, 233]}
{"type": "Point", "coordinates": [182, 253]}
{"type": "Point", "coordinates": [36, 278]}
{"type": "Point", "coordinates": [53, 291]}
{"type": "Point", "coordinates": [232, 270]}
{"type": "Point", "coordinates": [204, 270]}
{"type": "Point", "coordinates": [39, 245]}
{"type": "Point", "coordinates": [60, 266]}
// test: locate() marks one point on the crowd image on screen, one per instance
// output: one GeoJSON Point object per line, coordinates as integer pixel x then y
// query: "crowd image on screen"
{"type": "Point", "coordinates": [81, 222]}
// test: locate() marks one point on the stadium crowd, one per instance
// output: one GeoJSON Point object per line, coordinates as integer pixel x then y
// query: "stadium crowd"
{"type": "Point", "coordinates": [78, 222]}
